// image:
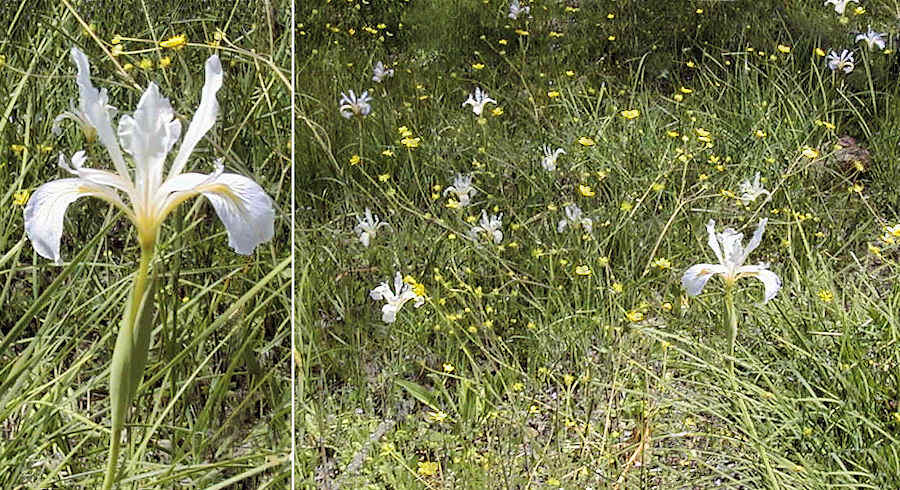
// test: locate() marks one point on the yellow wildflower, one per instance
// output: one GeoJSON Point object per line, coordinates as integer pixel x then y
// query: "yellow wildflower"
{"type": "Point", "coordinates": [428, 468]}
{"type": "Point", "coordinates": [174, 42]}
{"type": "Point", "coordinates": [662, 263]}
{"type": "Point", "coordinates": [634, 316]}
{"type": "Point", "coordinates": [630, 113]}
{"type": "Point", "coordinates": [585, 141]}
{"type": "Point", "coordinates": [21, 197]}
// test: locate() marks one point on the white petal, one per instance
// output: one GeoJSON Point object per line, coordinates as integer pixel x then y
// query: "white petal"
{"type": "Point", "coordinates": [561, 226]}
{"type": "Point", "coordinates": [757, 238]}
{"type": "Point", "coordinates": [93, 175]}
{"type": "Point", "coordinates": [148, 136]}
{"type": "Point", "coordinates": [93, 104]}
{"type": "Point", "coordinates": [498, 236]}
{"type": "Point", "coordinates": [381, 292]}
{"type": "Point", "coordinates": [399, 285]}
{"type": "Point", "coordinates": [587, 224]}
{"type": "Point", "coordinates": [713, 241]}
{"type": "Point", "coordinates": [205, 116]}
{"type": "Point", "coordinates": [243, 206]}
{"type": "Point", "coordinates": [770, 280]}
{"type": "Point", "coordinates": [389, 313]}
{"type": "Point", "coordinates": [46, 210]}
{"type": "Point", "coordinates": [364, 237]}
{"type": "Point", "coordinates": [695, 278]}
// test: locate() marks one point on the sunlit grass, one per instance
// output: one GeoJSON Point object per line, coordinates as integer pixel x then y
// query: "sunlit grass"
{"type": "Point", "coordinates": [214, 406]}
{"type": "Point", "coordinates": [575, 359]}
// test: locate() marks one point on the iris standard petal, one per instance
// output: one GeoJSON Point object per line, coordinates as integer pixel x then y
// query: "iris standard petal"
{"type": "Point", "coordinates": [696, 277]}
{"type": "Point", "coordinates": [756, 239]}
{"type": "Point", "coordinates": [94, 106]}
{"type": "Point", "coordinates": [148, 136]}
{"type": "Point", "coordinates": [713, 242]}
{"type": "Point", "coordinates": [205, 116]}
{"type": "Point", "coordinates": [46, 209]}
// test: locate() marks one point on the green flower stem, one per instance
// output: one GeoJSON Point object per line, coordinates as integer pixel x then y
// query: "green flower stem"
{"type": "Point", "coordinates": [732, 325]}
{"type": "Point", "coordinates": [731, 313]}
{"type": "Point", "coordinates": [129, 357]}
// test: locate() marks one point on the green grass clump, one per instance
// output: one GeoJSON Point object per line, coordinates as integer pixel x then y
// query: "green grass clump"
{"type": "Point", "coordinates": [213, 410]}
{"type": "Point", "coordinates": [575, 359]}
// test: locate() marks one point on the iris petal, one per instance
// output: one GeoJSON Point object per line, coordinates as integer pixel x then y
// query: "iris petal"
{"type": "Point", "coordinates": [696, 277]}
{"type": "Point", "coordinates": [205, 116]}
{"type": "Point", "coordinates": [771, 281]}
{"type": "Point", "coordinates": [96, 111]}
{"type": "Point", "coordinates": [46, 210]}
{"type": "Point", "coordinates": [243, 206]}
{"type": "Point", "coordinates": [149, 135]}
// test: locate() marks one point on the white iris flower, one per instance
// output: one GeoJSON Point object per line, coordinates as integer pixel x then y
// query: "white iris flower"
{"type": "Point", "coordinates": [731, 253]}
{"type": "Point", "coordinates": [550, 156]}
{"type": "Point", "coordinates": [515, 10]}
{"type": "Point", "coordinates": [380, 73]}
{"type": "Point", "coordinates": [489, 227]}
{"type": "Point", "coordinates": [79, 115]}
{"type": "Point", "coordinates": [843, 61]}
{"type": "Point", "coordinates": [148, 196]}
{"type": "Point", "coordinates": [395, 299]}
{"type": "Point", "coordinates": [839, 5]}
{"type": "Point", "coordinates": [462, 188]}
{"type": "Point", "coordinates": [477, 100]}
{"type": "Point", "coordinates": [873, 39]}
{"type": "Point", "coordinates": [574, 219]}
{"type": "Point", "coordinates": [751, 191]}
{"type": "Point", "coordinates": [355, 106]}
{"type": "Point", "coordinates": [368, 227]}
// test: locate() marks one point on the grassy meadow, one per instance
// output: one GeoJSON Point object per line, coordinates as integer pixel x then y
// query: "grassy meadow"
{"type": "Point", "coordinates": [575, 358]}
{"type": "Point", "coordinates": [213, 410]}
